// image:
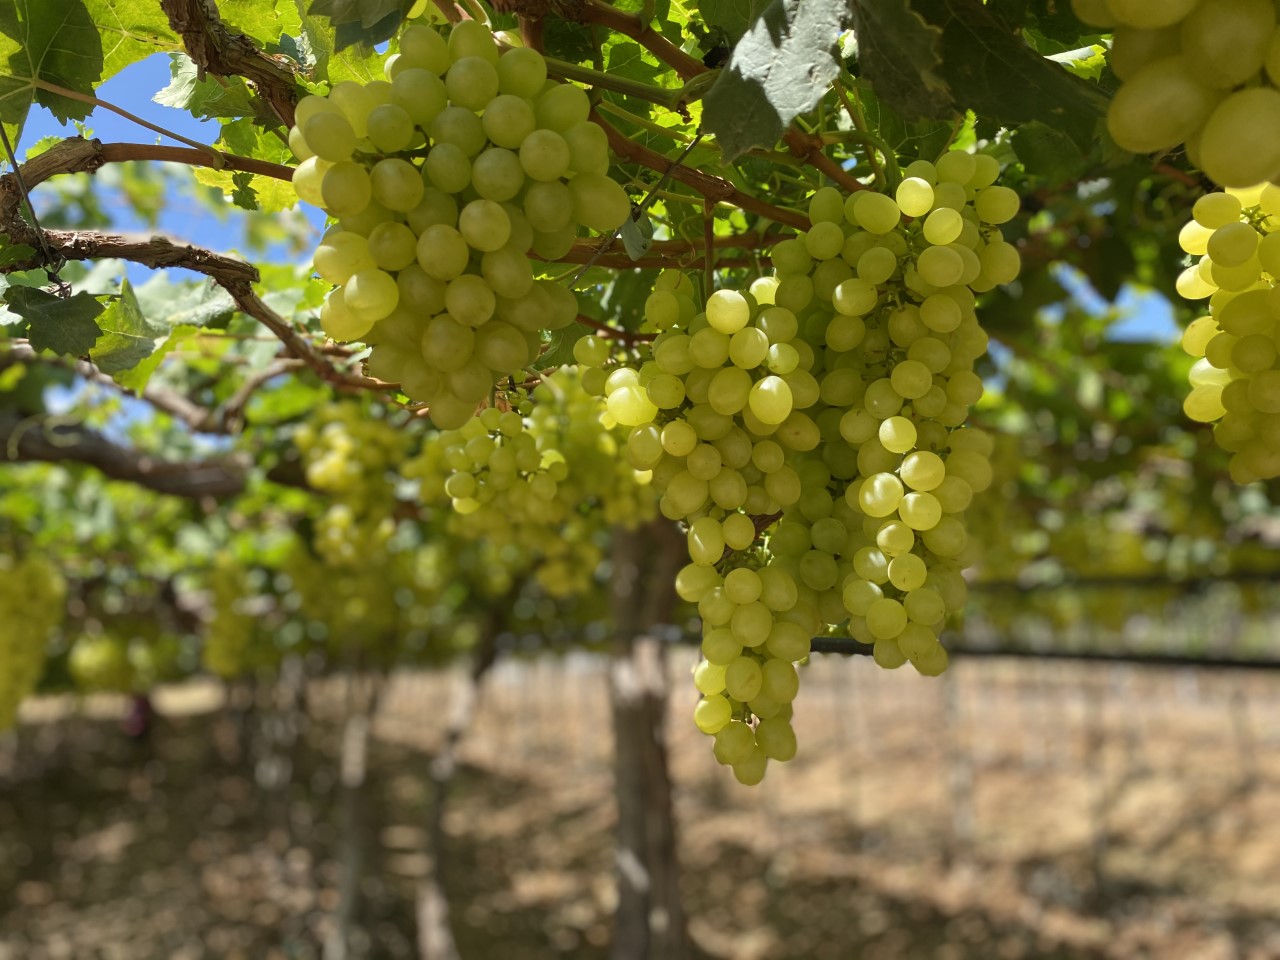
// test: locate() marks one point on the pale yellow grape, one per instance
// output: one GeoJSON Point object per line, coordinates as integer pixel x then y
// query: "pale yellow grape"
{"type": "Point", "coordinates": [522, 72]}
{"type": "Point", "coordinates": [924, 606]}
{"type": "Point", "coordinates": [346, 189]}
{"type": "Point", "coordinates": [420, 94]}
{"type": "Point", "coordinates": [341, 254]}
{"type": "Point", "coordinates": [872, 211]}
{"type": "Point", "coordinates": [734, 743]}
{"type": "Point", "coordinates": [446, 343]}
{"type": "Point", "coordinates": [743, 678]}
{"type": "Point", "coordinates": [679, 438]}
{"type": "Point", "coordinates": [1204, 404]}
{"type": "Point", "coordinates": [920, 511]}
{"type": "Point", "coordinates": [751, 622]}
{"type": "Point", "coordinates": [329, 136]}
{"type": "Point", "coordinates": [496, 174]}
{"type": "Point", "coordinates": [751, 771]}
{"type": "Point", "coordinates": [630, 406]}
{"type": "Point", "coordinates": [599, 203]}
{"type": "Point", "coordinates": [971, 467]}
{"type": "Point", "coordinates": [748, 347]}
{"type": "Point", "coordinates": [355, 102]}
{"type": "Point", "coordinates": [770, 400]}
{"type": "Point", "coordinates": [855, 297]}
{"type": "Point", "coordinates": [947, 538]}
{"type": "Point", "coordinates": [914, 196]}
{"type": "Point", "coordinates": [371, 294]}
{"type": "Point", "coordinates": [940, 266]}
{"type": "Point", "coordinates": [544, 155]}
{"type": "Point", "coordinates": [588, 148]}
{"type": "Point", "coordinates": [708, 678]}
{"type": "Point", "coordinates": [442, 252]}
{"type": "Point", "coordinates": [1146, 14]}
{"type": "Point", "coordinates": [396, 184]}
{"type": "Point", "coordinates": [712, 714]}
{"type": "Point", "coordinates": [858, 595]}
{"type": "Point", "coordinates": [1264, 391]}
{"type": "Point", "coordinates": [1240, 144]}
{"type": "Point", "coordinates": [448, 168]}
{"type": "Point", "coordinates": [1214, 210]}
{"type": "Point", "coordinates": [911, 379]}
{"type": "Point", "coordinates": [728, 311]}
{"type": "Point", "coordinates": [1191, 286]}
{"type": "Point", "coordinates": [894, 538]}
{"type": "Point", "coordinates": [886, 619]}
{"type": "Point", "coordinates": [887, 655]}
{"type": "Point", "coordinates": [779, 681]}
{"type": "Point", "coordinates": [339, 322]}
{"type": "Point", "coordinates": [880, 494]}
{"type": "Point", "coordinates": [897, 434]}
{"type": "Point", "coordinates": [877, 265]}
{"type": "Point", "coordinates": [824, 240]}
{"type": "Point", "coordinates": [390, 128]}
{"type": "Point", "coordinates": [392, 245]}
{"type": "Point", "coordinates": [502, 348]}
{"type": "Point", "coordinates": [1225, 42]}
{"type": "Point", "coordinates": [1254, 353]}
{"type": "Point", "coordinates": [943, 226]}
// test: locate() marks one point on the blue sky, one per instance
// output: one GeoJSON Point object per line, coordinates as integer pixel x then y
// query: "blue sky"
{"type": "Point", "coordinates": [132, 89]}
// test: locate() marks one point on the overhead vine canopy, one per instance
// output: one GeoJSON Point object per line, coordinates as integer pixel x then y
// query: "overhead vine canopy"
{"type": "Point", "coordinates": [774, 273]}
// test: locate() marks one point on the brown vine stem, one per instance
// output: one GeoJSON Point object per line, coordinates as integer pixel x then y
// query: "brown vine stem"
{"type": "Point", "coordinates": [94, 101]}
{"type": "Point", "coordinates": [118, 152]}
{"type": "Point", "coordinates": [710, 187]}
{"type": "Point", "coordinates": [809, 149]}
{"type": "Point", "coordinates": [615, 333]}
{"type": "Point", "coordinates": [628, 24]}
{"type": "Point", "coordinates": [226, 53]}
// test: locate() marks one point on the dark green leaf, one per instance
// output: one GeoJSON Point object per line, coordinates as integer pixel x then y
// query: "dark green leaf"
{"type": "Point", "coordinates": [65, 326]}
{"type": "Point", "coordinates": [560, 350]}
{"type": "Point", "coordinates": [780, 69]}
{"type": "Point", "coordinates": [731, 17]}
{"type": "Point", "coordinates": [138, 378]}
{"type": "Point", "coordinates": [360, 21]}
{"type": "Point", "coordinates": [899, 53]}
{"type": "Point", "coordinates": [127, 338]}
{"type": "Point", "coordinates": [11, 253]}
{"type": "Point", "coordinates": [1046, 152]}
{"type": "Point", "coordinates": [991, 71]}
{"type": "Point", "coordinates": [50, 41]}
{"type": "Point", "coordinates": [200, 303]}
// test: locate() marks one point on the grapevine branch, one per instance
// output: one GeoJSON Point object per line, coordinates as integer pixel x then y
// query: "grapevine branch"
{"type": "Point", "coordinates": [217, 50]}
{"type": "Point", "coordinates": [55, 439]}
{"type": "Point", "coordinates": [710, 187]}
{"type": "Point", "coordinates": [234, 276]}
{"type": "Point", "coordinates": [174, 404]}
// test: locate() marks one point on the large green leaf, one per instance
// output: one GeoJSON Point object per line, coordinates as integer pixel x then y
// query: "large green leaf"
{"type": "Point", "coordinates": [46, 42]}
{"type": "Point", "coordinates": [128, 337]}
{"type": "Point", "coordinates": [780, 69]}
{"type": "Point", "coordinates": [203, 96]}
{"type": "Point", "coordinates": [65, 326]}
{"type": "Point", "coordinates": [991, 71]}
{"type": "Point", "coordinates": [898, 52]}
{"type": "Point", "coordinates": [131, 30]}
{"type": "Point", "coordinates": [139, 376]}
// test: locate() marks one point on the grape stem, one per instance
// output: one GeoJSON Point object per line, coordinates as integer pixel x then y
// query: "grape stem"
{"type": "Point", "coordinates": [218, 162]}
{"type": "Point", "coordinates": [870, 142]}
{"type": "Point", "coordinates": [641, 208]}
{"type": "Point", "coordinates": [710, 187]}
{"type": "Point", "coordinates": [640, 30]}
{"type": "Point", "coordinates": [615, 333]}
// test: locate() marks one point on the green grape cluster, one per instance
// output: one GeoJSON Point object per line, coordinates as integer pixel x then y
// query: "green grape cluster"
{"type": "Point", "coordinates": [32, 598]}
{"type": "Point", "coordinates": [541, 483]}
{"type": "Point", "coordinates": [1235, 380]}
{"type": "Point", "coordinates": [231, 629]}
{"type": "Point", "coordinates": [99, 662]}
{"type": "Point", "coordinates": [443, 178]}
{"type": "Point", "coordinates": [833, 395]}
{"type": "Point", "coordinates": [1204, 73]}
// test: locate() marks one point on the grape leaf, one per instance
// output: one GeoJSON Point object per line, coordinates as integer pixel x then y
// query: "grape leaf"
{"type": "Point", "coordinates": [780, 69]}
{"type": "Point", "coordinates": [131, 30]}
{"type": "Point", "coordinates": [732, 17]}
{"type": "Point", "coordinates": [11, 253]}
{"type": "Point", "coordinates": [65, 326]}
{"type": "Point", "coordinates": [898, 54]}
{"type": "Point", "coordinates": [991, 71]}
{"type": "Point", "coordinates": [360, 21]}
{"type": "Point", "coordinates": [137, 378]}
{"type": "Point", "coordinates": [128, 337]}
{"type": "Point", "coordinates": [197, 303]}
{"type": "Point", "coordinates": [204, 97]}
{"type": "Point", "coordinates": [46, 41]}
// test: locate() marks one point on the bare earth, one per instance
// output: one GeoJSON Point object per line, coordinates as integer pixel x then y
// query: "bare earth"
{"type": "Point", "coordinates": [1014, 809]}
